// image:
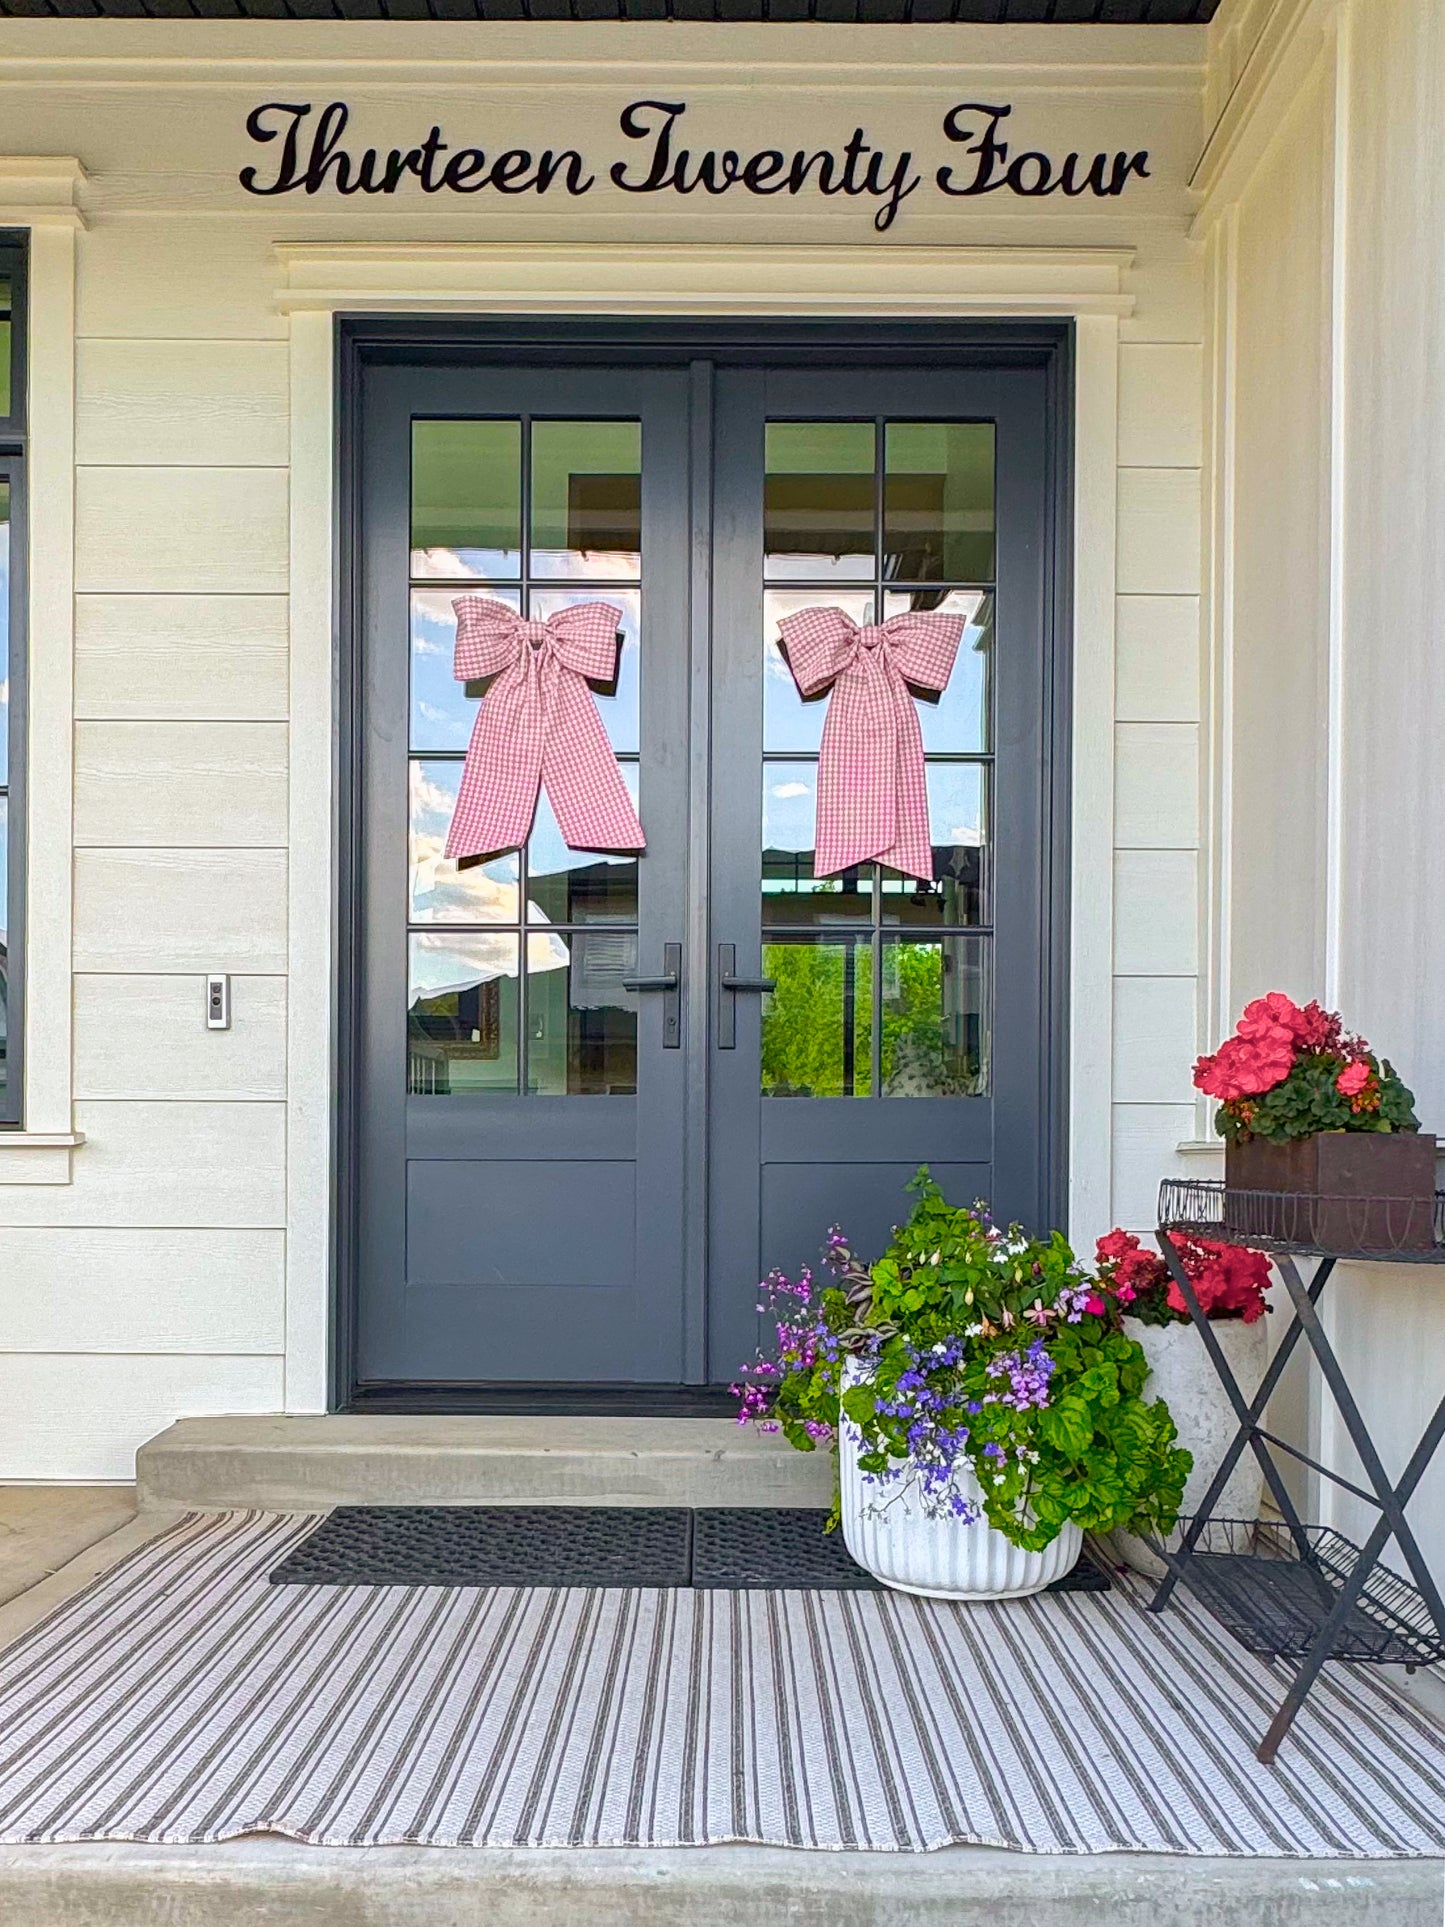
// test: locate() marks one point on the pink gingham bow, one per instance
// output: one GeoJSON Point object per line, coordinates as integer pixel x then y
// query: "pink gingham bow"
{"type": "Point", "coordinates": [872, 797]}
{"type": "Point", "coordinates": [538, 725]}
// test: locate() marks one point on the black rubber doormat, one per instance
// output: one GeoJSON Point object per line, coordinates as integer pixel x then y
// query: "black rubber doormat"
{"type": "Point", "coordinates": [736, 1549]}
{"type": "Point", "coordinates": [501, 1545]}
{"type": "Point", "coordinates": [731, 1548]}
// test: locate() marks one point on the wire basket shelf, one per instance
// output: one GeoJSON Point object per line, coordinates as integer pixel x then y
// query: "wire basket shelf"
{"type": "Point", "coordinates": [1275, 1598]}
{"type": "Point", "coordinates": [1364, 1227]}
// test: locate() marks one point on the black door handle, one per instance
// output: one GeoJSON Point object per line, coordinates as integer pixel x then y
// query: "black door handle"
{"type": "Point", "coordinates": [728, 986]}
{"type": "Point", "coordinates": [670, 986]}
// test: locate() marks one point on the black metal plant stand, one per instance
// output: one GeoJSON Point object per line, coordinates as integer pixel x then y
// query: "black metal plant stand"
{"type": "Point", "coordinates": [1294, 1591]}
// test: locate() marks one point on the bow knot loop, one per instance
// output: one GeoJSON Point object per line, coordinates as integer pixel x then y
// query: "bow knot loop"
{"type": "Point", "coordinates": [872, 793]}
{"type": "Point", "coordinates": [583, 638]}
{"type": "Point", "coordinates": [538, 727]}
{"type": "Point", "coordinates": [819, 645]}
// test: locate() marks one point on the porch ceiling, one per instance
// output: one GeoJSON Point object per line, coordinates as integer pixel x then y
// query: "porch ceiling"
{"type": "Point", "coordinates": [830, 12]}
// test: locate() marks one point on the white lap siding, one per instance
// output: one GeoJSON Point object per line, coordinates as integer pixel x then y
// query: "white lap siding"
{"type": "Point", "coordinates": [1326, 285]}
{"type": "Point", "coordinates": [1157, 780]}
{"type": "Point", "coordinates": [1392, 694]}
{"type": "Point", "coordinates": [155, 1283]}
{"type": "Point", "coordinates": [193, 658]}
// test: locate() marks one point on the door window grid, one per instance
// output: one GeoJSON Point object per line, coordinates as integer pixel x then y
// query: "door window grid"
{"type": "Point", "coordinates": [586, 953]}
{"type": "Point", "coordinates": [855, 981]}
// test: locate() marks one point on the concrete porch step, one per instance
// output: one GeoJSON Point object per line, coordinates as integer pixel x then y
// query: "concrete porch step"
{"type": "Point", "coordinates": [311, 1463]}
{"type": "Point", "coordinates": [286, 1884]}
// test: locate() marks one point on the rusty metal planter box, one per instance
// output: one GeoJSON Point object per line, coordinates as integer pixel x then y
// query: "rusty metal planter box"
{"type": "Point", "coordinates": [1338, 1191]}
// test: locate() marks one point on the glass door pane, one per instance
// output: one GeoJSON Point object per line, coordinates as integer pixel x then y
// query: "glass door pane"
{"type": "Point", "coordinates": [5, 739]}
{"type": "Point", "coordinates": [902, 513]}
{"type": "Point", "coordinates": [570, 1028]}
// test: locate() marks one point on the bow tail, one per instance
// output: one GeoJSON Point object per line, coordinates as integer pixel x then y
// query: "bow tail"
{"type": "Point", "coordinates": [497, 796]}
{"type": "Point", "coordinates": [910, 848]}
{"type": "Point", "coordinates": [857, 810]}
{"type": "Point", "coordinates": [580, 773]}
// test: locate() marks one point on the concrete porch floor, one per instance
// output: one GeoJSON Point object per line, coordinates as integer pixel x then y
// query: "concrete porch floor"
{"type": "Point", "coordinates": [54, 1541]}
{"type": "Point", "coordinates": [44, 1527]}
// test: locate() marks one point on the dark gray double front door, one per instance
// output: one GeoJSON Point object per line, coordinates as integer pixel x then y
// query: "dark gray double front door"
{"type": "Point", "coordinates": [585, 1129]}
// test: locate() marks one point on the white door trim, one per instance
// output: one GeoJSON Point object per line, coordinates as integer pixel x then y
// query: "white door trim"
{"type": "Point", "coordinates": [318, 281]}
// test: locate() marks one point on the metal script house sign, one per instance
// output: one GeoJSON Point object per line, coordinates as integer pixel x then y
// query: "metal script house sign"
{"type": "Point", "coordinates": [313, 158]}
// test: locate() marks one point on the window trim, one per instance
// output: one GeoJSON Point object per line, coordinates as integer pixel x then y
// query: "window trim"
{"type": "Point", "coordinates": [14, 262]}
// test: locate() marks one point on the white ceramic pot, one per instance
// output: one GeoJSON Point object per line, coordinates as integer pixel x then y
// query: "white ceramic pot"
{"type": "Point", "coordinates": [888, 1532]}
{"type": "Point", "coordinates": [1180, 1372]}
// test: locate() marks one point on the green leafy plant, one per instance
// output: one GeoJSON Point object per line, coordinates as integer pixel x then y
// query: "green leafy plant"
{"type": "Point", "coordinates": [966, 1345]}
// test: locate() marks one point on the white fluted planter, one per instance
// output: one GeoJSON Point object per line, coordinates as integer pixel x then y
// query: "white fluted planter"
{"type": "Point", "coordinates": [888, 1532]}
{"type": "Point", "coordinates": [1181, 1373]}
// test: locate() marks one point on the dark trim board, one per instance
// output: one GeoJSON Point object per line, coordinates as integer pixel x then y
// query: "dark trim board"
{"type": "Point", "coordinates": [863, 342]}
{"type": "Point", "coordinates": [12, 919]}
{"type": "Point", "coordinates": [14, 262]}
{"type": "Point", "coordinates": [869, 341]}
{"type": "Point", "coordinates": [1056, 775]}
{"type": "Point", "coordinates": [550, 1401]}
{"type": "Point", "coordinates": [348, 354]}
{"type": "Point", "coordinates": [1159, 13]}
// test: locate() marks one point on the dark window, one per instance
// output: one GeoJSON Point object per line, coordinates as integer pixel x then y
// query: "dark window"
{"type": "Point", "coordinates": [12, 670]}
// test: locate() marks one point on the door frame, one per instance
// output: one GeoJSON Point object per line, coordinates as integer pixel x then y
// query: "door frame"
{"type": "Point", "coordinates": [1047, 344]}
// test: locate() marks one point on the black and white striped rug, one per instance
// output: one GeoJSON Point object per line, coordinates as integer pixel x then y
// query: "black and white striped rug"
{"type": "Point", "coordinates": [183, 1698]}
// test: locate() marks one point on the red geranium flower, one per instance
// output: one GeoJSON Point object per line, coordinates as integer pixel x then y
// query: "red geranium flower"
{"type": "Point", "coordinates": [1126, 1267]}
{"type": "Point", "coordinates": [1245, 1067]}
{"type": "Point", "coordinates": [1274, 1019]}
{"type": "Point", "coordinates": [1115, 1244]}
{"type": "Point", "coordinates": [1227, 1280]}
{"type": "Point", "coordinates": [1319, 1029]}
{"type": "Point", "coordinates": [1268, 1077]}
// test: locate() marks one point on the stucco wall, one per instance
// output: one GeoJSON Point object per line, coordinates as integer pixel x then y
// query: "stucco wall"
{"type": "Point", "coordinates": [155, 1282]}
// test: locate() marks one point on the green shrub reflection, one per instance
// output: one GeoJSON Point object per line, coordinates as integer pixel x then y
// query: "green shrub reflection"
{"type": "Point", "coordinates": [818, 1024]}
